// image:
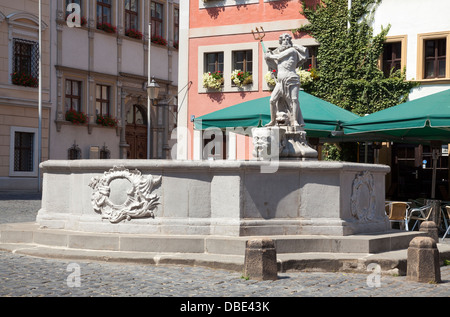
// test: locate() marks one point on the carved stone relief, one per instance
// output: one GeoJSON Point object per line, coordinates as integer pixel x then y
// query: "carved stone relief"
{"type": "Point", "coordinates": [122, 194]}
{"type": "Point", "coordinates": [363, 200]}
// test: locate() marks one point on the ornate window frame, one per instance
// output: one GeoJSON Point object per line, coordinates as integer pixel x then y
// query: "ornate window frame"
{"type": "Point", "coordinates": [20, 30]}
{"type": "Point", "coordinates": [228, 50]}
{"type": "Point", "coordinates": [403, 41]}
{"type": "Point", "coordinates": [421, 38]}
{"type": "Point", "coordinates": [208, 4]}
{"type": "Point", "coordinates": [12, 172]}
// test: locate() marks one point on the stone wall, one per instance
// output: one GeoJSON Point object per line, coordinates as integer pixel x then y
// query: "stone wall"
{"type": "Point", "coordinates": [230, 198]}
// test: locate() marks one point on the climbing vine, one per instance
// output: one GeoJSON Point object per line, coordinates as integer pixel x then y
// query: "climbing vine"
{"type": "Point", "coordinates": [348, 57]}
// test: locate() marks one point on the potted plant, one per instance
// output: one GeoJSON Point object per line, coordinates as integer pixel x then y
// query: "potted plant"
{"type": "Point", "coordinates": [23, 79]}
{"type": "Point", "coordinates": [76, 117]}
{"type": "Point", "coordinates": [305, 76]}
{"type": "Point", "coordinates": [134, 34]}
{"type": "Point", "coordinates": [270, 78]}
{"type": "Point", "coordinates": [241, 78]}
{"type": "Point", "coordinates": [213, 80]}
{"type": "Point", "coordinates": [159, 40]}
{"type": "Point", "coordinates": [106, 121]}
{"type": "Point", "coordinates": [107, 27]}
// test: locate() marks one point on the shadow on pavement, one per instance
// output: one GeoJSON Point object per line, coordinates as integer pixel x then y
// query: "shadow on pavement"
{"type": "Point", "coordinates": [16, 195]}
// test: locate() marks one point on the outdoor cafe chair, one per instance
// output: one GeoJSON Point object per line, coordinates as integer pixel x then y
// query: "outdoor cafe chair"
{"type": "Point", "coordinates": [420, 214]}
{"type": "Point", "coordinates": [447, 208]}
{"type": "Point", "coordinates": [398, 211]}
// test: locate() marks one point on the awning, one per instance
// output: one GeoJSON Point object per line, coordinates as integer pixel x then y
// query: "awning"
{"type": "Point", "coordinates": [420, 120]}
{"type": "Point", "coordinates": [321, 117]}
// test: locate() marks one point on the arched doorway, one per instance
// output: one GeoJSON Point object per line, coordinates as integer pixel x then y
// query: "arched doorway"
{"type": "Point", "coordinates": [136, 132]}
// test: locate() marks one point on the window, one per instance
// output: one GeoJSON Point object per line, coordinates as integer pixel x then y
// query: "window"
{"type": "Point", "coordinates": [103, 11]}
{"type": "Point", "coordinates": [226, 59]}
{"type": "Point", "coordinates": [157, 19]}
{"type": "Point", "coordinates": [392, 57]}
{"type": "Point", "coordinates": [176, 26]}
{"type": "Point", "coordinates": [243, 60]}
{"type": "Point", "coordinates": [435, 58]}
{"type": "Point", "coordinates": [73, 95]}
{"type": "Point", "coordinates": [23, 151]}
{"type": "Point", "coordinates": [136, 116]}
{"type": "Point", "coordinates": [131, 14]}
{"type": "Point", "coordinates": [102, 100]}
{"type": "Point", "coordinates": [214, 62]}
{"type": "Point", "coordinates": [25, 63]}
{"type": "Point", "coordinates": [311, 62]}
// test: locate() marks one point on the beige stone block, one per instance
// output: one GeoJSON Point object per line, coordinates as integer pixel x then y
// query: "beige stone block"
{"type": "Point", "coordinates": [4, 127]}
{"type": "Point", "coordinates": [4, 171]}
{"type": "Point", "coordinates": [260, 260]}
{"type": "Point", "coordinates": [423, 261]}
{"type": "Point", "coordinates": [11, 111]}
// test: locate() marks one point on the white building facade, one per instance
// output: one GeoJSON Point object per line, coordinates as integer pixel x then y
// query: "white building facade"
{"type": "Point", "coordinates": [100, 77]}
{"type": "Point", "coordinates": [420, 37]}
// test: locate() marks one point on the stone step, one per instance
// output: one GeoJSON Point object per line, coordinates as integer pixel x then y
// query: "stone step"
{"type": "Point", "coordinates": [394, 262]}
{"type": "Point", "coordinates": [31, 233]}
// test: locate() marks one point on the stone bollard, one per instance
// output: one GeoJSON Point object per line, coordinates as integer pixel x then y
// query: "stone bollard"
{"type": "Point", "coordinates": [430, 228]}
{"type": "Point", "coordinates": [260, 260]}
{"type": "Point", "coordinates": [423, 261]}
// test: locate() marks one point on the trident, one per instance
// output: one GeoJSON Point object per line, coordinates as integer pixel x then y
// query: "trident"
{"type": "Point", "coordinates": [259, 37]}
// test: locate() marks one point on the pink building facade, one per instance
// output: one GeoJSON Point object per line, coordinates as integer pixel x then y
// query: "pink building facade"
{"type": "Point", "coordinates": [216, 35]}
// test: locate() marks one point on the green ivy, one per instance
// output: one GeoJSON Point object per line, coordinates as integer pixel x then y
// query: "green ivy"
{"type": "Point", "coordinates": [348, 56]}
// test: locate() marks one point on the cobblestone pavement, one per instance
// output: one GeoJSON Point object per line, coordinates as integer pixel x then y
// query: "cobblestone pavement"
{"type": "Point", "coordinates": [24, 276]}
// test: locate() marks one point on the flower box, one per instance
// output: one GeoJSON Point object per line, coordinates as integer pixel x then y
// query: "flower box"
{"type": "Point", "coordinates": [241, 78]}
{"type": "Point", "coordinates": [270, 78]}
{"type": "Point", "coordinates": [106, 121]}
{"type": "Point", "coordinates": [76, 117]}
{"type": "Point", "coordinates": [158, 40]}
{"type": "Point", "coordinates": [23, 79]}
{"type": "Point", "coordinates": [213, 80]}
{"type": "Point", "coordinates": [134, 34]}
{"type": "Point", "coordinates": [107, 27]}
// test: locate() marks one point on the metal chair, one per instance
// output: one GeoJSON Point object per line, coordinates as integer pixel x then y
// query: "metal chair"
{"type": "Point", "coordinates": [447, 208]}
{"type": "Point", "coordinates": [398, 212]}
{"type": "Point", "coordinates": [420, 214]}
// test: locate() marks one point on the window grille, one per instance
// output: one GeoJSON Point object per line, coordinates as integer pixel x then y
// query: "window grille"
{"type": "Point", "coordinates": [74, 152]}
{"type": "Point", "coordinates": [26, 57]}
{"type": "Point", "coordinates": [105, 154]}
{"type": "Point", "coordinates": [23, 151]}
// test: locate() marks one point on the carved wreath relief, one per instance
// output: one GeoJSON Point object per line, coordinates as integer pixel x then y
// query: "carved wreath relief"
{"type": "Point", "coordinates": [134, 189]}
{"type": "Point", "coordinates": [363, 200]}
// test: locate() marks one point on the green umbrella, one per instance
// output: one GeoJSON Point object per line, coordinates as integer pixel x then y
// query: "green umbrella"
{"type": "Point", "coordinates": [321, 118]}
{"type": "Point", "coordinates": [420, 120]}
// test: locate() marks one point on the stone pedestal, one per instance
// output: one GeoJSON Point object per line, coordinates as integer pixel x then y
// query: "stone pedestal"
{"type": "Point", "coordinates": [260, 260]}
{"type": "Point", "coordinates": [296, 146]}
{"type": "Point", "coordinates": [423, 261]}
